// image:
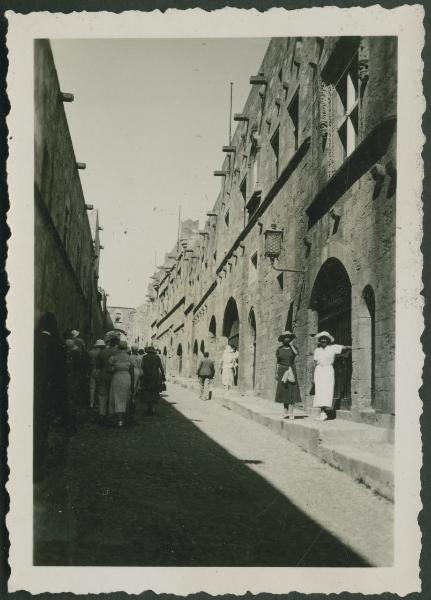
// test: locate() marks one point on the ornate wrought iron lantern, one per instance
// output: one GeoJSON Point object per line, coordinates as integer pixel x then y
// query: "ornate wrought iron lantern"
{"type": "Point", "coordinates": [273, 246]}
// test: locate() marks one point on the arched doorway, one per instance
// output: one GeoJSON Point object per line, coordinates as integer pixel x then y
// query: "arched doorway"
{"type": "Point", "coordinates": [331, 298]}
{"type": "Point", "coordinates": [195, 356]}
{"type": "Point", "coordinates": [202, 347]}
{"type": "Point", "coordinates": [165, 358]}
{"type": "Point", "coordinates": [368, 340]}
{"type": "Point", "coordinates": [231, 323]}
{"type": "Point", "coordinates": [212, 330]}
{"type": "Point", "coordinates": [252, 349]}
{"type": "Point", "coordinates": [180, 358]}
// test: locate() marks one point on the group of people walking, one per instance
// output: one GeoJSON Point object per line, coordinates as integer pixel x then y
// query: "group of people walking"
{"type": "Point", "coordinates": [68, 378]}
{"type": "Point", "coordinates": [121, 375]}
{"type": "Point", "coordinates": [287, 390]}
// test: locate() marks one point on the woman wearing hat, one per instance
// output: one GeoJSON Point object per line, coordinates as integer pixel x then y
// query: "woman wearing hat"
{"type": "Point", "coordinates": [324, 356]}
{"type": "Point", "coordinates": [122, 382]}
{"type": "Point", "coordinates": [151, 379]}
{"type": "Point", "coordinates": [287, 390]}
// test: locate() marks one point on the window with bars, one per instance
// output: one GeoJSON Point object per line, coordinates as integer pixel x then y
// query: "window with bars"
{"type": "Point", "coordinates": [346, 109]}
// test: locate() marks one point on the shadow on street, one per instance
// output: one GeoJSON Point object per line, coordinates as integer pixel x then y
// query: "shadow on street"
{"type": "Point", "coordinates": [162, 493]}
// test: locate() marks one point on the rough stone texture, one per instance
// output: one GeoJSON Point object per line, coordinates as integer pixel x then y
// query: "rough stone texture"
{"type": "Point", "coordinates": [354, 228]}
{"type": "Point", "coordinates": [66, 253]}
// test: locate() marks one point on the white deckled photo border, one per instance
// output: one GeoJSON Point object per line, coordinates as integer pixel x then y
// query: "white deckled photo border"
{"type": "Point", "coordinates": [405, 22]}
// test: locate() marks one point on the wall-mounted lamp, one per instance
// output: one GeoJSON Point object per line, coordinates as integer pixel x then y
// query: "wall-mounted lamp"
{"type": "Point", "coordinates": [273, 241]}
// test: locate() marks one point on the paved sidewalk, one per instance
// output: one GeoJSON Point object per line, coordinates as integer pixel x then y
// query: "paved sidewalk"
{"type": "Point", "coordinates": [363, 451]}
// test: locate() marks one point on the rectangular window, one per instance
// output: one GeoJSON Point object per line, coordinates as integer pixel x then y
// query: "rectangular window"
{"type": "Point", "coordinates": [275, 145]}
{"type": "Point", "coordinates": [293, 111]}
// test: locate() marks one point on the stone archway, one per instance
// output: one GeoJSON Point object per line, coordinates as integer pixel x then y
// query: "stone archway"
{"type": "Point", "coordinates": [251, 349]}
{"type": "Point", "coordinates": [331, 300]}
{"type": "Point", "coordinates": [367, 348]}
{"type": "Point", "coordinates": [231, 323]}
{"type": "Point", "coordinates": [180, 358]}
{"type": "Point", "coordinates": [195, 357]}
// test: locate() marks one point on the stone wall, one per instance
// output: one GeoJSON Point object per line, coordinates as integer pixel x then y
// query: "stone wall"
{"type": "Point", "coordinates": [331, 190]}
{"type": "Point", "coordinates": [65, 265]}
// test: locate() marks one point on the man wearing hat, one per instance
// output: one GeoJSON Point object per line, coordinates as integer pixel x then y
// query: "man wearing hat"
{"type": "Point", "coordinates": [324, 356]}
{"type": "Point", "coordinates": [287, 391]}
{"type": "Point", "coordinates": [93, 354]}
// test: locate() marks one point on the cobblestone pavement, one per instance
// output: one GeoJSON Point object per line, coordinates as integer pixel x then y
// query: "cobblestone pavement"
{"type": "Point", "coordinates": [197, 485]}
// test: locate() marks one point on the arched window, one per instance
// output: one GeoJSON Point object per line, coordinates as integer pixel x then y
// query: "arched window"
{"type": "Point", "coordinates": [202, 347]}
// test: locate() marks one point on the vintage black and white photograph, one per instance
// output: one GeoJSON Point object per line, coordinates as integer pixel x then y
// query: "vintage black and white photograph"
{"type": "Point", "coordinates": [215, 241]}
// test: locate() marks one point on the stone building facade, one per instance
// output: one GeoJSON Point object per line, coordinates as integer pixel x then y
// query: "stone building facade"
{"type": "Point", "coordinates": [309, 181]}
{"type": "Point", "coordinates": [133, 323]}
{"type": "Point", "coordinates": [67, 244]}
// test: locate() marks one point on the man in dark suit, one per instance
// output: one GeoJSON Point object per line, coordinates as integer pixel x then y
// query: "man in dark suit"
{"type": "Point", "coordinates": [205, 373]}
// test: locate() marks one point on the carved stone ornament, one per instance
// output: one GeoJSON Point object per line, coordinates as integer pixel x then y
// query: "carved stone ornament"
{"type": "Point", "coordinates": [325, 114]}
{"type": "Point", "coordinates": [363, 56]}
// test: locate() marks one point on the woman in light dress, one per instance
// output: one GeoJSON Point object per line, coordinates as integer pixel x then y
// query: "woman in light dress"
{"type": "Point", "coordinates": [122, 383]}
{"type": "Point", "coordinates": [228, 366]}
{"type": "Point", "coordinates": [324, 356]}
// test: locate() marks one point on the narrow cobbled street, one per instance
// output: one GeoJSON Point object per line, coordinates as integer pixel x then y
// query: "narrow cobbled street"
{"type": "Point", "coordinates": [196, 485]}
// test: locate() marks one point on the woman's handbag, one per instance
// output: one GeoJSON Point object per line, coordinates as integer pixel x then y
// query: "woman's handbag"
{"type": "Point", "coordinates": [288, 376]}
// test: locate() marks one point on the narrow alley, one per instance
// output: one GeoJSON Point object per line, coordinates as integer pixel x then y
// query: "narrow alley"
{"type": "Point", "coordinates": [197, 485]}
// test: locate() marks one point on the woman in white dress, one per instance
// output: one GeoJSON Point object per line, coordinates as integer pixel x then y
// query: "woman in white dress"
{"type": "Point", "coordinates": [228, 366]}
{"type": "Point", "coordinates": [324, 357]}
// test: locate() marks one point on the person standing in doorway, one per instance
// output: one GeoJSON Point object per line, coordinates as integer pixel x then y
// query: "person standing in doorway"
{"type": "Point", "coordinates": [205, 373]}
{"type": "Point", "coordinates": [287, 391]}
{"type": "Point", "coordinates": [227, 369]}
{"type": "Point", "coordinates": [235, 370]}
{"type": "Point", "coordinates": [324, 356]}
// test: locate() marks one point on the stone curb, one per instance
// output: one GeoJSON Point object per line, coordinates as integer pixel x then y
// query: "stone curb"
{"type": "Point", "coordinates": [332, 447]}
